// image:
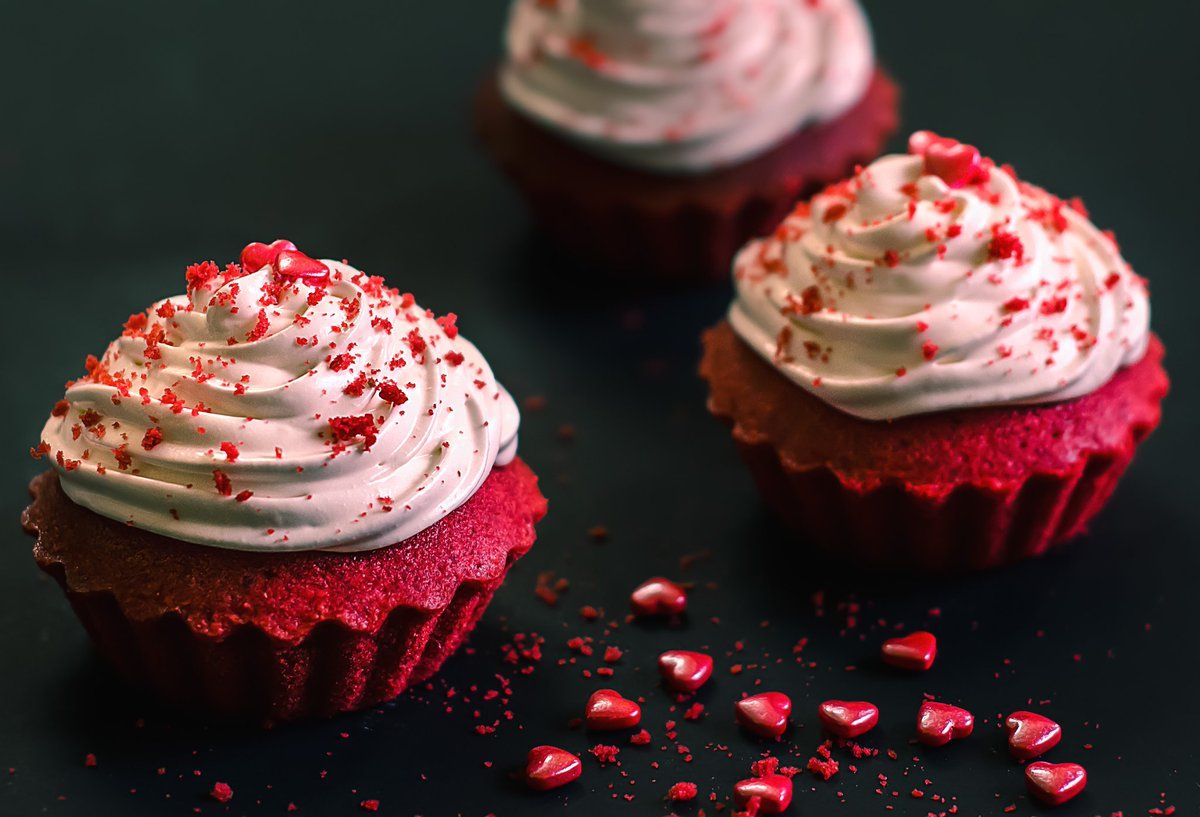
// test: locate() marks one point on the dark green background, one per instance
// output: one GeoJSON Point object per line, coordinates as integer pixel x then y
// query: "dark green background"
{"type": "Point", "coordinates": [138, 137]}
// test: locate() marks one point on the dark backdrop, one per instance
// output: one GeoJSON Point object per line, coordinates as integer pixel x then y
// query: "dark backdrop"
{"type": "Point", "coordinates": [136, 137]}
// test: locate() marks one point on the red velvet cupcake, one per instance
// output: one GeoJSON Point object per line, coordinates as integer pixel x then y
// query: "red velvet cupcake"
{"type": "Point", "coordinates": [289, 492]}
{"type": "Point", "coordinates": [936, 365]}
{"type": "Point", "coordinates": [648, 138]}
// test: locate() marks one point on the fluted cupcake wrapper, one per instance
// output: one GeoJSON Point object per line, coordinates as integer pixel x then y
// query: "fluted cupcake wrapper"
{"type": "Point", "coordinates": [282, 636]}
{"type": "Point", "coordinates": [668, 228]}
{"type": "Point", "coordinates": [973, 527]}
{"type": "Point", "coordinates": [249, 674]}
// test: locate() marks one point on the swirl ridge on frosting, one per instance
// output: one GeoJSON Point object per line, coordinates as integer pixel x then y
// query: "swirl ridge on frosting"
{"type": "Point", "coordinates": [937, 280]}
{"type": "Point", "coordinates": [302, 405]}
{"type": "Point", "coordinates": [684, 85]}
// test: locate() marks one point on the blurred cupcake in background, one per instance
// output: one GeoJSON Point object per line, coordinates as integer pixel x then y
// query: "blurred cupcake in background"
{"type": "Point", "coordinates": [656, 136]}
{"type": "Point", "coordinates": [936, 365]}
{"type": "Point", "coordinates": [289, 491]}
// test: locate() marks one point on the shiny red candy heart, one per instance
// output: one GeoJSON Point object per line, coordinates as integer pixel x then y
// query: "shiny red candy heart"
{"type": "Point", "coordinates": [607, 709]}
{"type": "Point", "coordinates": [764, 714]}
{"type": "Point", "coordinates": [938, 723]}
{"type": "Point", "coordinates": [685, 671]}
{"type": "Point", "coordinates": [920, 141]}
{"type": "Point", "coordinates": [914, 651]}
{"type": "Point", "coordinates": [956, 163]}
{"type": "Point", "coordinates": [548, 767]}
{"type": "Point", "coordinates": [658, 597]}
{"type": "Point", "coordinates": [848, 719]}
{"type": "Point", "coordinates": [773, 793]}
{"type": "Point", "coordinates": [257, 255]}
{"type": "Point", "coordinates": [1055, 783]}
{"type": "Point", "coordinates": [295, 264]}
{"type": "Point", "coordinates": [1031, 734]}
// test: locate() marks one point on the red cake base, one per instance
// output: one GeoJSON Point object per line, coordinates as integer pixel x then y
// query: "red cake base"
{"type": "Point", "coordinates": [946, 491]}
{"type": "Point", "coordinates": [280, 636]}
{"type": "Point", "coordinates": [673, 228]}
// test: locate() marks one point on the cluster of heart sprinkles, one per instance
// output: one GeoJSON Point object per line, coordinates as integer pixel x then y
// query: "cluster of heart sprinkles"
{"type": "Point", "coordinates": [767, 715]}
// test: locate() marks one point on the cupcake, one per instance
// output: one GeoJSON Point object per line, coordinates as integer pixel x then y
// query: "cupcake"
{"type": "Point", "coordinates": [656, 136]}
{"type": "Point", "coordinates": [936, 365]}
{"type": "Point", "coordinates": [290, 491]}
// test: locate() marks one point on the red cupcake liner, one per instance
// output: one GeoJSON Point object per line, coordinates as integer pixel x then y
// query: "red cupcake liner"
{"type": "Point", "coordinates": [972, 528]}
{"type": "Point", "coordinates": [968, 523]}
{"type": "Point", "coordinates": [674, 228]}
{"type": "Point", "coordinates": [252, 669]}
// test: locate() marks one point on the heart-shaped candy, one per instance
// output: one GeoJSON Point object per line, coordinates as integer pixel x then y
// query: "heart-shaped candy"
{"type": "Point", "coordinates": [1055, 783]}
{"type": "Point", "coordinates": [548, 767]}
{"type": "Point", "coordinates": [956, 164]}
{"type": "Point", "coordinates": [1031, 734]}
{"type": "Point", "coordinates": [914, 651]}
{"type": "Point", "coordinates": [764, 714]}
{"type": "Point", "coordinates": [773, 793]}
{"type": "Point", "coordinates": [938, 723]}
{"type": "Point", "coordinates": [296, 265]}
{"type": "Point", "coordinates": [658, 597]}
{"type": "Point", "coordinates": [848, 719]}
{"type": "Point", "coordinates": [607, 710]}
{"type": "Point", "coordinates": [257, 255]}
{"type": "Point", "coordinates": [684, 670]}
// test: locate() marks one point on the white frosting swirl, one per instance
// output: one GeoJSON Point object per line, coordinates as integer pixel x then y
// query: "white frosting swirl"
{"type": "Point", "coordinates": [213, 418]}
{"type": "Point", "coordinates": [684, 85]}
{"type": "Point", "coordinates": [897, 294]}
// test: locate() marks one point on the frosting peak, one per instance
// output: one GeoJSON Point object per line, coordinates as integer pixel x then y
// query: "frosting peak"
{"type": "Point", "coordinates": [283, 403]}
{"type": "Point", "coordinates": [684, 85]}
{"type": "Point", "coordinates": [936, 280]}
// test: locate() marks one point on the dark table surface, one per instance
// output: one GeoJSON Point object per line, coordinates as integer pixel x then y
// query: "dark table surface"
{"type": "Point", "coordinates": [138, 137]}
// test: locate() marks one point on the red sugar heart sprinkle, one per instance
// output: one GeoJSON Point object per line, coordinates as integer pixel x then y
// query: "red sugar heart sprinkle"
{"type": "Point", "coordinates": [1031, 734]}
{"type": "Point", "coordinates": [914, 651]}
{"type": "Point", "coordinates": [257, 255]}
{"type": "Point", "coordinates": [848, 719]}
{"type": "Point", "coordinates": [773, 793]}
{"type": "Point", "coordinates": [956, 163]}
{"type": "Point", "coordinates": [295, 264]}
{"type": "Point", "coordinates": [1055, 783]}
{"type": "Point", "coordinates": [658, 597]}
{"type": "Point", "coordinates": [938, 723]}
{"type": "Point", "coordinates": [764, 714]}
{"type": "Point", "coordinates": [548, 767]}
{"type": "Point", "coordinates": [685, 671]}
{"type": "Point", "coordinates": [607, 710]}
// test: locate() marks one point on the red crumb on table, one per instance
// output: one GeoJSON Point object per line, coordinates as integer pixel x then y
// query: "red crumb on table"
{"type": "Point", "coordinates": [682, 792]}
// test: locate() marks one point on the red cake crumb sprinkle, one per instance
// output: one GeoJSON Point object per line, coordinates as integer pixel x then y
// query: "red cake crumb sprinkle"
{"type": "Point", "coordinates": [584, 50]}
{"type": "Point", "coordinates": [453, 358]}
{"type": "Point", "coordinates": [1005, 245]}
{"type": "Point", "coordinates": [349, 429]}
{"type": "Point", "coordinates": [448, 322]}
{"type": "Point", "coordinates": [230, 451]}
{"type": "Point", "coordinates": [604, 753]}
{"type": "Point", "coordinates": [221, 481]}
{"type": "Point", "coordinates": [369, 805]}
{"type": "Point", "coordinates": [682, 792]}
{"type": "Point", "coordinates": [152, 438]}
{"type": "Point", "coordinates": [392, 393]}
{"type": "Point", "coordinates": [640, 738]}
{"type": "Point", "coordinates": [221, 792]}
